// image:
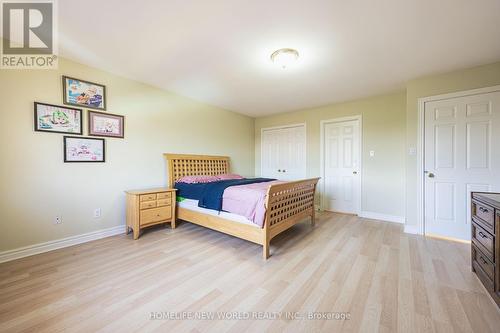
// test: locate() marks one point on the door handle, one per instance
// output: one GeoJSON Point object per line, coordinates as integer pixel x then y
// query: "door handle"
{"type": "Point", "coordinates": [279, 170]}
{"type": "Point", "coordinates": [429, 174]}
{"type": "Point", "coordinates": [354, 172]}
{"type": "Point", "coordinates": [284, 170]}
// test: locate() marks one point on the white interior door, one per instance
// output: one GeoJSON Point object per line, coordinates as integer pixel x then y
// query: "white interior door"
{"type": "Point", "coordinates": [462, 154]}
{"type": "Point", "coordinates": [341, 158]}
{"type": "Point", "coordinates": [283, 153]}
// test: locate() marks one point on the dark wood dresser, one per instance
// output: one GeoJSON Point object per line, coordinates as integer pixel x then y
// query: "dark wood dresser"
{"type": "Point", "coordinates": [485, 248]}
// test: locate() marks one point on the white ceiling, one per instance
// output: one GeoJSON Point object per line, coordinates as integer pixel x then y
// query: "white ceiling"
{"type": "Point", "coordinates": [217, 51]}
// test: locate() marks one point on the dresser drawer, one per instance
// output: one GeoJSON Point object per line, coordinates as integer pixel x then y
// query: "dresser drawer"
{"type": "Point", "coordinates": [483, 267]}
{"type": "Point", "coordinates": [484, 214]}
{"type": "Point", "coordinates": [164, 202]}
{"type": "Point", "coordinates": [147, 197]}
{"type": "Point", "coordinates": [147, 204]}
{"type": "Point", "coordinates": [165, 195]}
{"type": "Point", "coordinates": [155, 215]}
{"type": "Point", "coordinates": [483, 240]}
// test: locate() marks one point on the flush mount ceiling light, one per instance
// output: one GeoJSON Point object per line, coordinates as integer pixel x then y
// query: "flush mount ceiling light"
{"type": "Point", "coordinates": [285, 57]}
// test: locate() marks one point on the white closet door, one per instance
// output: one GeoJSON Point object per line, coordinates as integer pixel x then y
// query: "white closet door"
{"type": "Point", "coordinates": [270, 154]}
{"type": "Point", "coordinates": [283, 153]}
{"type": "Point", "coordinates": [462, 140]}
{"type": "Point", "coordinates": [293, 157]}
{"type": "Point", "coordinates": [341, 166]}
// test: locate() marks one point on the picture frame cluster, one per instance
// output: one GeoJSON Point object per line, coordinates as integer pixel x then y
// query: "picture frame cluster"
{"type": "Point", "coordinates": [79, 94]}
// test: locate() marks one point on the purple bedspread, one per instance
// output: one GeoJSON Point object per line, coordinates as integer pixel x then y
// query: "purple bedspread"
{"type": "Point", "coordinates": [248, 200]}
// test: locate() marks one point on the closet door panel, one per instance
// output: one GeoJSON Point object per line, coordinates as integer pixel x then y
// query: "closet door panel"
{"type": "Point", "coordinates": [283, 153]}
{"type": "Point", "coordinates": [270, 154]}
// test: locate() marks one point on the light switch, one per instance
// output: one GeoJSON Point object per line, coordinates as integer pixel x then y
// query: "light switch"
{"type": "Point", "coordinates": [372, 153]}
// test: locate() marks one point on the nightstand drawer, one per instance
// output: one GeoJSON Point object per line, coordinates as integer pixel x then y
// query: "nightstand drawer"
{"type": "Point", "coordinates": [165, 195]}
{"type": "Point", "coordinates": [164, 202]}
{"type": "Point", "coordinates": [147, 204]}
{"type": "Point", "coordinates": [147, 197]}
{"type": "Point", "coordinates": [155, 215]}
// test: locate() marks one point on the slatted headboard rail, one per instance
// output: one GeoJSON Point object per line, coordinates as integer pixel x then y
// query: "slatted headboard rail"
{"type": "Point", "coordinates": [180, 165]}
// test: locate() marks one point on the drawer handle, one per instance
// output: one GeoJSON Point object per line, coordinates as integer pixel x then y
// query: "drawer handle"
{"type": "Point", "coordinates": [484, 210]}
{"type": "Point", "coordinates": [482, 234]}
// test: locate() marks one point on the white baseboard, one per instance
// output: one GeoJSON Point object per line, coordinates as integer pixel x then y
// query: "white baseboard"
{"type": "Point", "coordinates": [411, 229]}
{"type": "Point", "coordinates": [59, 243]}
{"type": "Point", "coordinates": [382, 217]}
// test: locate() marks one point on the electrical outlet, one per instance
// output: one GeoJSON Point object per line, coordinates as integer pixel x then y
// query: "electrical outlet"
{"type": "Point", "coordinates": [58, 220]}
{"type": "Point", "coordinates": [372, 153]}
{"type": "Point", "coordinates": [97, 213]}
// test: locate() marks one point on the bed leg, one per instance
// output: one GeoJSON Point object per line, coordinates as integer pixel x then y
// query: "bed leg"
{"type": "Point", "coordinates": [265, 250]}
{"type": "Point", "coordinates": [313, 218]}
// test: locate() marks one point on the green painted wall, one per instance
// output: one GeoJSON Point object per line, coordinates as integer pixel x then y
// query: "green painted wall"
{"type": "Point", "coordinates": [471, 78]}
{"type": "Point", "coordinates": [384, 122]}
{"type": "Point", "coordinates": [35, 184]}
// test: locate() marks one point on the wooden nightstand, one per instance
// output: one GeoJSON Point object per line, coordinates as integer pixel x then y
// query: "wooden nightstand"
{"type": "Point", "coordinates": [149, 207]}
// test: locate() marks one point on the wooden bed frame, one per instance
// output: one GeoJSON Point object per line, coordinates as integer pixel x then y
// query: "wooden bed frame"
{"type": "Point", "coordinates": [287, 204]}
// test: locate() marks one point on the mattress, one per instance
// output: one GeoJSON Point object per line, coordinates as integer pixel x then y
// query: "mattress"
{"type": "Point", "coordinates": [193, 205]}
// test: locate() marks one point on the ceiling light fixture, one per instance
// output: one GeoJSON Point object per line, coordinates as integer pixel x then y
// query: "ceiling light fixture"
{"type": "Point", "coordinates": [285, 57]}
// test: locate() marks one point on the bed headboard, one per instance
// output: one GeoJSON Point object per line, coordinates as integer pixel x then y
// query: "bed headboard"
{"type": "Point", "coordinates": [180, 165]}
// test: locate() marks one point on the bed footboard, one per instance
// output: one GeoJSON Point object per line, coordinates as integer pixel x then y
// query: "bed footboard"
{"type": "Point", "coordinates": [287, 204]}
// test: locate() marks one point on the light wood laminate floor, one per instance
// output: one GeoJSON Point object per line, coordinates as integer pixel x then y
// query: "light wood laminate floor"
{"type": "Point", "coordinates": [384, 279]}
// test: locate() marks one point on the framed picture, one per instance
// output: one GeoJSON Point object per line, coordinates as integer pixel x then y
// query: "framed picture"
{"type": "Point", "coordinates": [57, 119]}
{"type": "Point", "coordinates": [79, 149]}
{"type": "Point", "coordinates": [83, 93]}
{"type": "Point", "coordinates": [106, 124]}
